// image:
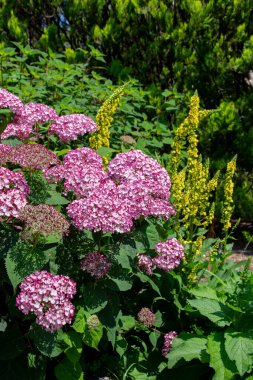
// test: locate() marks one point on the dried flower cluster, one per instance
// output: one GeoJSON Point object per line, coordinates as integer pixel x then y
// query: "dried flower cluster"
{"type": "Point", "coordinates": [146, 316]}
{"type": "Point", "coordinates": [13, 192]}
{"type": "Point", "coordinates": [70, 127]}
{"type": "Point", "coordinates": [48, 297]}
{"type": "Point", "coordinates": [168, 340]}
{"type": "Point", "coordinates": [43, 219]}
{"type": "Point", "coordinates": [33, 156]}
{"type": "Point", "coordinates": [96, 264]}
{"type": "Point", "coordinates": [171, 252]}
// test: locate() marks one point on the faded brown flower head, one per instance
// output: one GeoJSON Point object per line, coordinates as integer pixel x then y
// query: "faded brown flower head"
{"type": "Point", "coordinates": [33, 156]}
{"type": "Point", "coordinates": [43, 219]}
{"type": "Point", "coordinates": [127, 139]}
{"type": "Point", "coordinates": [146, 316]}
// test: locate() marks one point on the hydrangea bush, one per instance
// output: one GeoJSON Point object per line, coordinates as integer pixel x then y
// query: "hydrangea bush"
{"type": "Point", "coordinates": [95, 279]}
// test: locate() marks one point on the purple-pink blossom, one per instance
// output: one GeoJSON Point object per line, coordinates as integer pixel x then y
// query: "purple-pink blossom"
{"type": "Point", "coordinates": [4, 151]}
{"type": "Point", "coordinates": [103, 210]}
{"type": "Point", "coordinates": [13, 192]}
{"type": "Point", "coordinates": [135, 165]}
{"type": "Point", "coordinates": [32, 113]}
{"type": "Point", "coordinates": [145, 264]}
{"type": "Point", "coordinates": [9, 100]}
{"type": "Point", "coordinates": [96, 264]}
{"type": "Point", "coordinates": [22, 131]}
{"type": "Point", "coordinates": [82, 172]}
{"type": "Point", "coordinates": [171, 252]}
{"type": "Point", "coordinates": [146, 316]}
{"type": "Point", "coordinates": [48, 297]}
{"type": "Point", "coordinates": [168, 340]}
{"type": "Point", "coordinates": [70, 127]}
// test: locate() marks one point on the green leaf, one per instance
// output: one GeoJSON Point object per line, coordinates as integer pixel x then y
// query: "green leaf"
{"type": "Point", "coordinates": [74, 349]}
{"type": "Point", "coordinates": [225, 369]}
{"type": "Point", "coordinates": [214, 310]}
{"type": "Point", "coordinates": [56, 199]}
{"type": "Point", "coordinates": [120, 284]}
{"type": "Point", "coordinates": [12, 344]}
{"type": "Point", "coordinates": [80, 321]}
{"type": "Point", "coordinates": [47, 343]}
{"type": "Point", "coordinates": [205, 292]}
{"type": "Point", "coordinates": [104, 151]}
{"type": "Point", "coordinates": [66, 370]}
{"type": "Point", "coordinates": [187, 347]}
{"type": "Point", "coordinates": [22, 260]}
{"type": "Point", "coordinates": [127, 322]}
{"type": "Point", "coordinates": [239, 347]}
{"type": "Point", "coordinates": [95, 299]}
{"type": "Point", "coordinates": [121, 345]}
{"type": "Point", "coordinates": [92, 336]}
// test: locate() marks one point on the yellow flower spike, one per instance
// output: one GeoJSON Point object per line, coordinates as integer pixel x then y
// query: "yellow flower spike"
{"type": "Point", "coordinates": [228, 195]}
{"type": "Point", "coordinates": [104, 120]}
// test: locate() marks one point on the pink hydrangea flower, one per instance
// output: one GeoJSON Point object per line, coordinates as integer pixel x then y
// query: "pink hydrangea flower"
{"type": "Point", "coordinates": [103, 210]}
{"type": "Point", "coordinates": [4, 151]}
{"type": "Point", "coordinates": [34, 156]}
{"type": "Point", "coordinates": [13, 192]}
{"type": "Point", "coordinates": [171, 252]}
{"type": "Point", "coordinates": [82, 172]}
{"type": "Point", "coordinates": [96, 264]}
{"type": "Point", "coordinates": [168, 340]}
{"type": "Point", "coordinates": [145, 264]}
{"type": "Point", "coordinates": [70, 127]}
{"type": "Point", "coordinates": [137, 166]}
{"type": "Point", "coordinates": [48, 297]}
{"type": "Point", "coordinates": [9, 100]}
{"type": "Point", "coordinates": [22, 131]}
{"type": "Point", "coordinates": [146, 316]}
{"type": "Point", "coordinates": [32, 113]}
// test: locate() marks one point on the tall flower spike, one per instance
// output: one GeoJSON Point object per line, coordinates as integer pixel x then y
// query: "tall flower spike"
{"type": "Point", "coordinates": [228, 195]}
{"type": "Point", "coordinates": [104, 119]}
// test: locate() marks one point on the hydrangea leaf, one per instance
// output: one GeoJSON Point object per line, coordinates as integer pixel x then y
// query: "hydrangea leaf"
{"type": "Point", "coordinates": [12, 344]}
{"type": "Point", "coordinates": [49, 344]}
{"type": "Point", "coordinates": [68, 371]}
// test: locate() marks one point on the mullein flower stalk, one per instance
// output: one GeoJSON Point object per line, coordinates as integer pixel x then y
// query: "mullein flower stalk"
{"type": "Point", "coordinates": [104, 120]}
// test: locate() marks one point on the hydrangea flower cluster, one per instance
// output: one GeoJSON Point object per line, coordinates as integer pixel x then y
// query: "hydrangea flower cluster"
{"type": "Point", "coordinates": [110, 201]}
{"type": "Point", "coordinates": [168, 340]}
{"type": "Point", "coordinates": [70, 127]}
{"type": "Point", "coordinates": [13, 192]}
{"type": "Point", "coordinates": [32, 113]}
{"type": "Point", "coordinates": [8, 100]}
{"type": "Point", "coordinates": [82, 171]}
{"type": "Point", "coordinates": [136, 166]}
{"type": "Point", "coordinates": [171, 252]}
{"type": "Point", "coordinates": [96, 264]}
{"type": "Point", "coordinates": [4, 151]}
{"type": "Point", "coordinates": [146, 316]}
{"type": "Point", "coordinates": [103, 210]}
{"type": "Point", "coordinates": [33, 156]}
{"type": "Point", "coordinates": [22, 131]}
{"type": "Point", "coordinates": [43, 219]}
{"type": "Point", "coordinates": [48, 297]}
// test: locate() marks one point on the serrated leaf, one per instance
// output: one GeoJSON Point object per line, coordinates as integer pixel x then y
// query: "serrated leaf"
{"type": "Point", "coordinates": [225, 369]}
{"type": "Point", "coordinates": [205, 292]}
{"type": "Point", "coordinates": [92, 336]}
{"type": "Point", "coordinates": [95, 300]}
{"type": "Point", "coordinates": [12, 344]}
{"type": "Point", "coordinates": [239, 347]}
{"type": "Point", "coordinates": [68, 371]}
{"type": "Point", "coordinates": [74, 349]}
{"type": "Point", "coordinates": [46, 342]}
{"type": "Point", "coordinates": [121, 345]}
{"type": "Point", "coordinates": [187, 347]}
{"type": "Point", "coordinates": [214, 310]}
{"type": "Point", "coordinates": [56, 199]}
{"type": "Point", "coordinates": [80, 321]}
{"type": "Point", "coordinates": [120, 283]}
